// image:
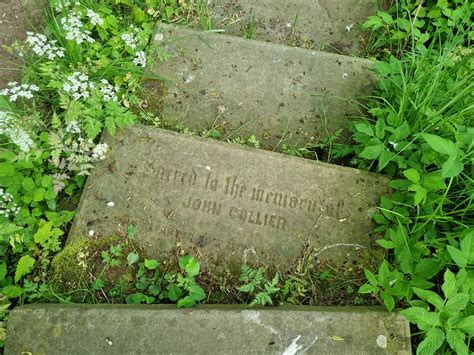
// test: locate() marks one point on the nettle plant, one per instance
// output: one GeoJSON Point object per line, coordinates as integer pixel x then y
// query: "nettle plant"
{"type": "Point", "coordinates": [421, 134]}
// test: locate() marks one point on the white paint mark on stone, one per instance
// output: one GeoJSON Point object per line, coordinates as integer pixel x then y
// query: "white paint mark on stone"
{"type": "Point", "coordinates": [382, 341]}
{"type": "Point", "coordinates": [294, 347]}
{"type": "Point", "coordinates": [111, 204]}
{"type": "Point", "coordinates": [254, 317]}
{"type": "Point", "coordinates": [91, 233]}
{"type": "Point", "coordinates": [189, 79]}
{"type": "Point", "coordinates": [288, 25]}
{"type": "Point", "coordinates": [208, 168]}
{"type": "Point", "coordinates": [343, 220]}
{"type": "Point", "coordinates": [345, 75]}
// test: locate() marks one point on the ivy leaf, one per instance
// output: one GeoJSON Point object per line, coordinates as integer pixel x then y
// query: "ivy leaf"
{"type": "Point", "coordinates": [25, 265]}
{"type": "Point", "coordinates": [432, 342]}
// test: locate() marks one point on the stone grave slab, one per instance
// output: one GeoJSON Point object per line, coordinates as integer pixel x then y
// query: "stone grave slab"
{"type": "Point", "coordinates": [226, 203]}
{"type": "Point", "coordinates": [320, 24]}
{"type": "Point", "coordinates": [123, 329]}
{"type": "Point", "coordinates": [242, 88]}
{"type": "Point", "coordinates": [16, 17]}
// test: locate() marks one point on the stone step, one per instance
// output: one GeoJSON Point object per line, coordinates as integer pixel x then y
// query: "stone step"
{"type": "Point", "coordinates": [278, 93]}
{"type": "Point", "coordinates": [225, 203]}
{"type": "Point", "coordinates": [159, 329]}
{"type": "Point", "coordinates": [326, 25]}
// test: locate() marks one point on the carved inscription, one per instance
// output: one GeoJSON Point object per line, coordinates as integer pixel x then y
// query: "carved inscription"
{"type": "Point", "coordinates": [218, 190]}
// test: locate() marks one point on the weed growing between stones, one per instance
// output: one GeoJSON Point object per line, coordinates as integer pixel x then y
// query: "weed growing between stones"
{"type": "Point", "coordinates": [420, 132]}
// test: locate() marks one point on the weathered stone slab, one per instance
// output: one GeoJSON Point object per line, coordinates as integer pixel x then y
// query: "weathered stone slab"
{"type": "Point", "coordinates": [120, 329]}
{"type": "Point", "coordinates": [226, 203]}
{"type": "Point", "coordinates": [278, 93]}
{"type": "Point", "coordinates": [320, 24]}
{"type": "Point", "coordinates": [16, 17]}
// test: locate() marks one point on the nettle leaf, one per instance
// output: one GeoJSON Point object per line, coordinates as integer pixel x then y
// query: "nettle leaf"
{"type": "Point", "coordinates": [432, 342]}
{"type": "Point", "coordinates": [457, 303]}
{"type": "Point", "coordinates": [459, 257]}
{"type": "Point", "coordinates": [467, 325]}
{"type": "Point", "coordinates": [449, 286]}
{"type": "Point", "coordinates": [421, 317]}
{"type": "Point", "coordinates": [440, 145]}
{"type": "Point", "coordinates": [430, 296]}
{"type": "Point", "coordinates": [455, 339]}
{"type": "Point", "coordinates": [372, 152]}
{"type": "Point", "coordinates": [24, 266]}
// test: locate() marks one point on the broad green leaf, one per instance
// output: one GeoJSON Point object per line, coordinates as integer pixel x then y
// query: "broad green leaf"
{"type": "Point", "coordinates": [387, 244]}
{"type": "Point", "coordinates": [455, 340]}
{"type": "Point", "coordinates": [412, 175]}
{"type": "Point", "coordinates": [28, 184]}
{"type": "Point", "coordinates": [428, 267]}
{"type": "Point", "coordinates": [385, 157]}
{"type": "Point", "coordinates": [388, 301]}
{"type": "Point", "coordinates": [371, 277]}
{"type": "Point", "coordinates": [459, 257]}
{"type": "Point", "coordinates": [190, 265]}
{"type": "Point", "coordinates": [365, 128]}
{"type": "Point", "coordinates": [421, 317]}
{"type": "Point", "coordinates": [24, 266]}
{"type": "Point", "coordinates": [467, 247]}
{"type": "Point", "coordinates": [432, 342]}
{"type": "Point", "coordinates": [373, 22]}
{"type": "Point", "coordinates": [132, 258]}
{"type": "Point", "coordinates": [430, 296]}
{"type": "Point", "coordinates": [43, 233]}
{"type": "Point", "coordinates": [440, 145]}
{"type": "Point", "coordinates": [457, 303]}
{"type": "Point", "coordinates": [186, 302]}
{"type": "Point", "coordinates": [196, 292]}
{"type": "Point", "coordinates": [151, 264]}
{"type": "Point", "coordinates": [135, 298]}
{"type": "Point", "coordinates": [367, 288]}
{"type": "Point", "coordinates": [7, 169]}
{"type": "Point", "coordinates": [3, 270]}
{"type": "Point", "coordinates": [380, 128]}
{"type": "Point", "coordinates": [385, 17]}
{"type": "Point", "coordinates": [12, 291]}
{"type": "Point", "coordinates": [467, 325]}
{"type": "Point", "coordinates": [451, 168]}
{"type": "Point", "coordinates": [174, 292]}
{"type": "Point", "coordinates": [372, 152]}
{"type": "Point", "coordinates": [449, 286]}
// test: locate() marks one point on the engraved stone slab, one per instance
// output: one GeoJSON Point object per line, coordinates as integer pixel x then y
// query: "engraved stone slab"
{"type": "Point", "coordinates": [226, 203]}
{"type": "Point", "coordinates": [321, 24]}
{"type": "Point", "coordinates": [125, 329]}
{"type": "Point", "coordinates": [242, 88]}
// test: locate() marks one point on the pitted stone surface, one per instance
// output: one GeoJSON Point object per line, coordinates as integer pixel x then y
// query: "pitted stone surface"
{"type": "Point", "coordinates": [16, 17]}
{"type": "Point", "coordinates": [242, 88]}
{"type": "Point", "coordinates": [226, 203]}
{"type": "Point", "coordinates": [120, 329]}
{"type": "Point", "coordinates": [320, 24]}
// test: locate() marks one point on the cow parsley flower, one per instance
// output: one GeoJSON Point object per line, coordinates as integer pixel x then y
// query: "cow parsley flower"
{"type": "Point", "coordinates": [99, 151]}
{"type": "Point", "coordinates": [40, 45]}
{"type": "Point", "coordinates": [109, 91]}
{"type": "Point", "coordinates": [74, 29]}
{"type": "Point", "coordinates": [95, 18]}
{"type": "Point", "coordinates": [15, 90]}
{"type": "Point", "coordinates": [140, 59]}
{"type": "Point", "coordinates": [8, 208]}
{"type": "Point", "coordinates": [131, 38]}
{"type": "Point", "coordinates": [78, 85]}
{"type": "Point", "coordinates": [16, 134]}
{"type": "Point", "coordinates": [73, 128]}
{"type": "Point", "coordinates": [62, 5]}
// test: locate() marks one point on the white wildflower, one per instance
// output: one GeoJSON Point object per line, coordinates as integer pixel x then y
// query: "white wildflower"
{"type": "Point", "coordinates": [108, 90]}
{"type": "Point", "coordinates": [8, 208]}
{"type": "Point", "coordinates": [95, 18]}
{"type": "Point", "coordinates": [82, 259]}
{"type": "Point", "coordinates": [111, 204]}
{"type": "Point", "coordinates": [99, 151]}
{"type": "Point", "coordinates": [62, 5]}
{"type": "Point", "coordinates": [73, 127]}
{"type": "Point", "coordinates": [349, 27]}
{"type": "Point", "coordinates": [140, 59]}
{"type": "Point", "coordinates": [393, 144]}
{"type": "Point", "coordinates": [15, 90]}
{"type": "Point", "coordinates": [78, 85]}
{"type": "Point", "coordinates": [91, 233]}
{"type": "Point", "coordinates": [74, 29]}
{"type": "Point", "coordinates": [40, 45]}
{"type": "Point", "coordinates": [131, 38]}
{"type": "Point", "coordinates": [17, 135]}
